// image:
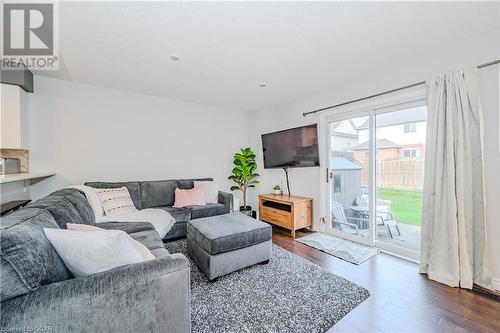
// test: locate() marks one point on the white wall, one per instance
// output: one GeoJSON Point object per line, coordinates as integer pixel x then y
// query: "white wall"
{"type": "Point", "coordinates": [14, 117]}
{"type": "Point", "coordinates": [88, 133]}
{"type": "Point", "coordinates": [14, 122]}
{"type": "Point", "coordinates": [490, 102]}
{"type": "Point", "coordinates": [469, 52]}
{"type": "Point", "coordinates": [14, 191]}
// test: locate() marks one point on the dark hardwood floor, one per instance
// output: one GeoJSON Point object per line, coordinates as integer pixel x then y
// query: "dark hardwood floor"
{"type": "Point", "coordinates": [401, 300]}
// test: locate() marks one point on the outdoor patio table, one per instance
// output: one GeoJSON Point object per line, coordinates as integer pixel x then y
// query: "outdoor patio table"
{"type": "Point", "coordinates": [363, 212]}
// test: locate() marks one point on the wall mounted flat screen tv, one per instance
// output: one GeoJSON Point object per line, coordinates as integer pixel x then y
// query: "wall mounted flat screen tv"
{"type": "Point", "coordinates": [291, 148]}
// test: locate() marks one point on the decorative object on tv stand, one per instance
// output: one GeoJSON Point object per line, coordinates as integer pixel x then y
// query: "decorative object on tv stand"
{"type": "Point", "coordinates": [244, 175]}
{"type": "Point", "coordinates": [277, 189]}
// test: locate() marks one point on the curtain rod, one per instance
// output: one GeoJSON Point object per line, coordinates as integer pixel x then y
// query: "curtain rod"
{"type": "Point", "coordinates": [494, 62]}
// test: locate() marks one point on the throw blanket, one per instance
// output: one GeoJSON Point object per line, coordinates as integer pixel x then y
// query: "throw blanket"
{"type": "Point", "coordinates": [159, 218]}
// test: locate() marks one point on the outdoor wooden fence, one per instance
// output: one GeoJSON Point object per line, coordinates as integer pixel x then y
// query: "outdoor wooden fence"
{"type": "Point", "coordinates": [402, 174]}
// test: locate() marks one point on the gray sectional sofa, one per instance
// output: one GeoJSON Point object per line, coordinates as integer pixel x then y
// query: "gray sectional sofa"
{"type": "Point", "coordinates": [161, 194]}
{"type": "Point", "coordinates": [39, 293]}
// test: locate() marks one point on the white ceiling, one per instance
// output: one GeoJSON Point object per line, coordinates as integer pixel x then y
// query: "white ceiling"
{"type": "Point", "coordinates": [227, 49]}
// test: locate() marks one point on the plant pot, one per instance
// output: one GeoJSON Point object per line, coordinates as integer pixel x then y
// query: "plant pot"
{"type": "Point", "coordinates": [247, 210]}
{"type": "Point", "coordinates": [277, 192]}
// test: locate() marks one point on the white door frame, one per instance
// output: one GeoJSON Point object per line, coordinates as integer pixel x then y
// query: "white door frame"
{"type": "Point", "coordinates": [364, 108]}
{"type": "Point", "coordinates": [327, 146]}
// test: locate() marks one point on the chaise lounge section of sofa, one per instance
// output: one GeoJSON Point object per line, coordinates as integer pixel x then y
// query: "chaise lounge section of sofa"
{"type": "Point", "coordinates": [161, 194]}
{"type": "Point", "coordinates": [39, 293]}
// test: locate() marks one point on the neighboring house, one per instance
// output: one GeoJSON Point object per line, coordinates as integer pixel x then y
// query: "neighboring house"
{"type": "Point", "coordinates": [386, 150]}
{"type": "Point", "coordinates": [345, 136]}
{"type": "Point", "coordinates": [400, 135]}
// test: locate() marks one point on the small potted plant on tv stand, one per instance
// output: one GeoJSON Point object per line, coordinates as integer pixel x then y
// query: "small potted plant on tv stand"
{"type": "Point", "coordinates": [277, 190]}
{"type": "Point", "coordinates": [244, 175]}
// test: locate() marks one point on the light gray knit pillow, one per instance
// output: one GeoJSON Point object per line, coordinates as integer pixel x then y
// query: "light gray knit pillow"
{"type": "Point", "coordinates": [116, 201]}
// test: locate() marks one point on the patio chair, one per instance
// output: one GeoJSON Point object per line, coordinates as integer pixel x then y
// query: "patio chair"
{"type": "Point", "coordinates": [384, 215]}
{"type": "Point", "coordinates": [382, 205]}
{"type": "Point", "coordinates": [338, 216]}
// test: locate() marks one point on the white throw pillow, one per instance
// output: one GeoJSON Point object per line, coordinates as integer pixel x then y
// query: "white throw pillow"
{"type": "Point", "coordinates": [211, 189]}
{"type": "Point", "coordinates": [93, 198]}
{"type": "Point", "coordinates": [86, 253]}
{"type": "Point", "coordinates": [116, 201]}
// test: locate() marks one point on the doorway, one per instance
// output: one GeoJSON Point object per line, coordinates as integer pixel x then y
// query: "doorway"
{"type": "Point", "coordinates": [374, 178]}
{"type": "Point", "coordinates": [348, 179]}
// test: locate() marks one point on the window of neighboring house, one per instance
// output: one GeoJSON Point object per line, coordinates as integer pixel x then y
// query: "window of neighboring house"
{"type": "Point", "coordinates": [411, 153]}
{"type": "Point", "coordinates": [411, 128]}
{"type": "Point", "coordinates": [337, 184]}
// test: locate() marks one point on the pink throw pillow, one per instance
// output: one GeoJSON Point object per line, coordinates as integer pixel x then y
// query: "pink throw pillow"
{"type": "Point", "coordinates": [143, 250]}
{"type": "Point", "coordinates": [195, 196]}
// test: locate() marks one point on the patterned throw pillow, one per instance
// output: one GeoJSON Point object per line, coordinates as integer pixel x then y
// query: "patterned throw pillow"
{"type": "Point", "coordinates": [116, 201]}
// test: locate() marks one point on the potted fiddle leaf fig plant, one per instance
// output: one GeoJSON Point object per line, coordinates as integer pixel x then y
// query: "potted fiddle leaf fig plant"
{"type": "Point", "coordinates": [244, 175]}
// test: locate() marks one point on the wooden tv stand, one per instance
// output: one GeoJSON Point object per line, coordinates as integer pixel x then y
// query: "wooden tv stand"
{"type": "Point", "coordinates": [289, 212]}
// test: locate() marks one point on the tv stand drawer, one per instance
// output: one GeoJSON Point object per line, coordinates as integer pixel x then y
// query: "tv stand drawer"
{"type": "Point", "coordinates": [276, 212]}
{"type": "Point", "coordinates": [274, 216]}
{"type": "Point", "coordinates": [277, 220]}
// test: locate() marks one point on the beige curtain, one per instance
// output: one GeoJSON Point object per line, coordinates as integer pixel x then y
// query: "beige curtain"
{"type": "Point", "coordinates": [453, 248]}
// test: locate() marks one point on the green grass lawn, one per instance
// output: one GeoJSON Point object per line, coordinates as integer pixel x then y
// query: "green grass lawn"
{"type": "Point", "coordinates": [406, 204]}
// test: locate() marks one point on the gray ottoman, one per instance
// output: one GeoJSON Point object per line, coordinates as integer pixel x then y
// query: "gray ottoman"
{"type": "Point", "coordinates": [226, 243]}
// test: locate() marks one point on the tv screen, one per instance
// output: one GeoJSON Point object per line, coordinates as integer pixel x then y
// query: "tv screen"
{"type": "Point", "coordinates": [291, 148]}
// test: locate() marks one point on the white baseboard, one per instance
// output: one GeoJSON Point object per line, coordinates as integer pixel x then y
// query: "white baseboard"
{"type": "Point", "coordinates": [496, 284]}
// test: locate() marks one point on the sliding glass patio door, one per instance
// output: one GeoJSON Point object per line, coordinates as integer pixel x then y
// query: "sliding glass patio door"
{"type": "Point", "coordinates": [348, 178]}
{"type": "Point", "coordinates": [400, 156]}
{"type": "Point", "coordinates": [374, 178]}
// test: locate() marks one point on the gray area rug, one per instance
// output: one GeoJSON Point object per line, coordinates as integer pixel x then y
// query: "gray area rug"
{"type": "Point", "coordinates": [289, 294]}
{"type": "Point", "coordinates": [347, 250]}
